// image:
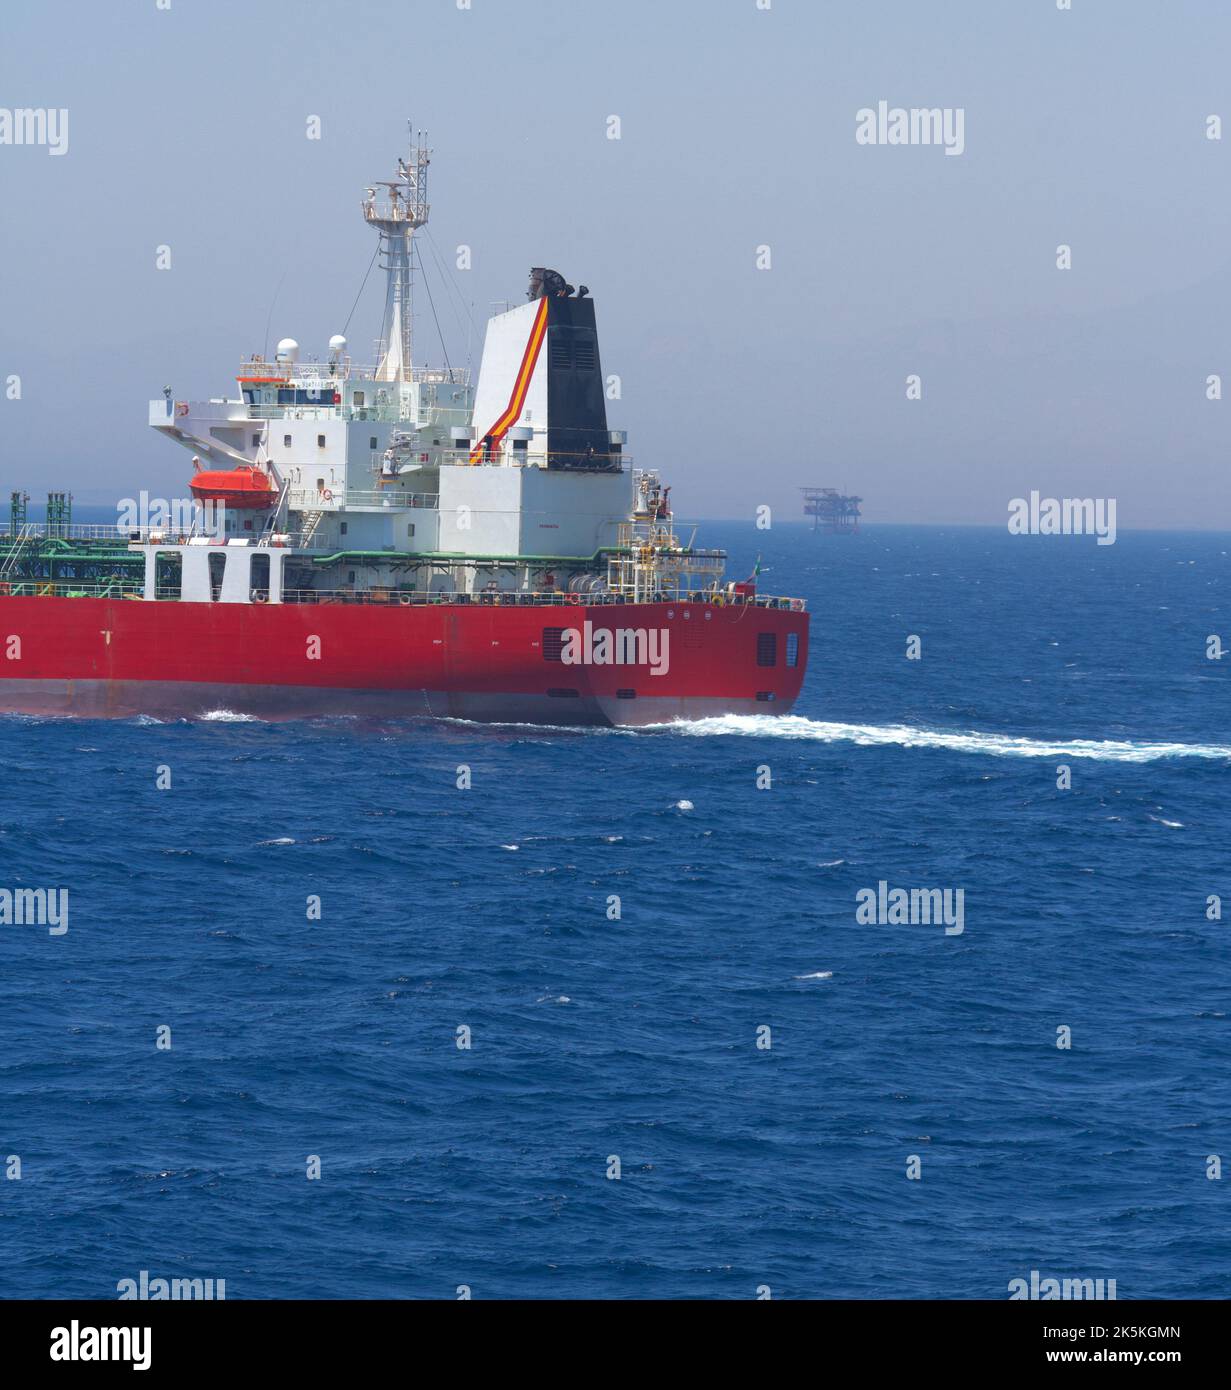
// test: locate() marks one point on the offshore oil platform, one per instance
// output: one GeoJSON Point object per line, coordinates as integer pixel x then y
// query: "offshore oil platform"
{"type": "Point", "coordinates": [832, 512]}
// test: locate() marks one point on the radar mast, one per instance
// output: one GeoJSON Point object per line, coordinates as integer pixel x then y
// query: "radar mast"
{"type": "Point", "coordinates": [396, 207]}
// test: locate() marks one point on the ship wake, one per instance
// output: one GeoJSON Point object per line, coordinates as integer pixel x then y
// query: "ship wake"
{"type": "Point", "coordinates": [793, 726]}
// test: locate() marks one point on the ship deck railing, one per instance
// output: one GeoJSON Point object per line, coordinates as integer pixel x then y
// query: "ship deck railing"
{"type": "Point", "coordinates": [122, 537]}
{"type": "Point", "coordinates": [419, 598]}
{"type": "Point", "coordinates": [70, 588]}
{"type": "Point", "coordinates": [67, 531]}
{"type": "Point", "coordinates": [126, 589]}
{"type": "Point", "coordinates": [302, 499]}
{"type": "Point", "coordinates": [168, 533]}
{"type": "Point", "coordinates": [343, 369]}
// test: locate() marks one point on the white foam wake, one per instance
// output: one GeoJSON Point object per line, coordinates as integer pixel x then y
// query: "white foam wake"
{"type": "Point", "coordinates": [795, 726]}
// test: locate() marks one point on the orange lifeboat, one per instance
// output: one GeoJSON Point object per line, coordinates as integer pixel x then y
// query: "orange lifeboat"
{"type": "Point", "coordinates": [244, 486]}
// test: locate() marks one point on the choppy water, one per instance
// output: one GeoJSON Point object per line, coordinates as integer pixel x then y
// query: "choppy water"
{"type": "Point", "coordinates": [488, 909]}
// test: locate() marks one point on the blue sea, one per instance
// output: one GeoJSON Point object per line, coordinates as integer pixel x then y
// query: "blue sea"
{"type": "Point", "coordinates": [600, 1044]}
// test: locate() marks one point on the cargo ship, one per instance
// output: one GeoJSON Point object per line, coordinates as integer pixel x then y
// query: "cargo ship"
{"type": "Point", "coordinates": [394, 539]}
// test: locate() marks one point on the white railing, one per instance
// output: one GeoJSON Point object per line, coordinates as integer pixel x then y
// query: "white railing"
{"type": "Point", "coordinates": [292, 373]}
{"type": "Point", "coordinates": [418, 598]}
{"type": "Point", "coordinates": [42, 530]}
{"type": "Point", "coordinates": [310, 500]}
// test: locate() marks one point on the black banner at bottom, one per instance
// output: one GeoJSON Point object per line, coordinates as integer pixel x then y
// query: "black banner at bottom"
{"type": "Point", "coordinates": [320, 1338]}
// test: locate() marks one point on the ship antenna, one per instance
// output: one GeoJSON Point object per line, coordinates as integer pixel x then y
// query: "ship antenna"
{"type": "Point", "coordinates": [396, 212]}
{"type": "Point", "coordinates": [270, 318]}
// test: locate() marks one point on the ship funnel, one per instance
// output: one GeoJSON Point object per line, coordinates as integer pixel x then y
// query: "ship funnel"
{"type": "Point", "coordinates": [540, 398]}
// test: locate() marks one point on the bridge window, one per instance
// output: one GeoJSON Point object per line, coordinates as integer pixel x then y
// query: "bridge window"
{"type": "Point", "coordinates": [286, 441]}
{"type": "Point", "coordinates": [320, 441]}
{"type": "Point", "coordinates": [767, 649]}
{"type": "Point", "coordinates": [217, 563]}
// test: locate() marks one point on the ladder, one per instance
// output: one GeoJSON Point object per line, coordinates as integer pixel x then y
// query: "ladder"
{"type": "Point", "coordinates": [311, 521]}
{"type": "Point", "coordinates": [271, 524]}
{"type": "Point", "coordinates": [26, 534]}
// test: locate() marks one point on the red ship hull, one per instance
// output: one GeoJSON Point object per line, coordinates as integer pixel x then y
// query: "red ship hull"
{"type": "Point", "coordinates": [109, 657]}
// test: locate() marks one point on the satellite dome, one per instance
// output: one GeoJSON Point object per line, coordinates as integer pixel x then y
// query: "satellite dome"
{"type": "Point", "coordinates": [337, 343]}
{"type": "Point", "coordinates": [288, 348]}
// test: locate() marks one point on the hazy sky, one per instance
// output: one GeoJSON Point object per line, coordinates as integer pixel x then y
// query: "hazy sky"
{"type": "Point", "coordinates": [1085, 127]}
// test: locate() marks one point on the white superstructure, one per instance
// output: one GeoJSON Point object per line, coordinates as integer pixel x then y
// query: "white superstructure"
{"type": "Point", "coordinates": [393, 476]}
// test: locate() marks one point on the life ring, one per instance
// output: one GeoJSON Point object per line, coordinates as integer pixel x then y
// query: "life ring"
{"type": "Point", "coordinates": [259, 596]}
{"type": "Point", "coordinates": [181, 407]}
{"type": "Point", "coordinates": [572, 598]}
{"type": "Point", "coordinates": [327, 494]}
{"type": "Point", "coordinates": [405, 600]}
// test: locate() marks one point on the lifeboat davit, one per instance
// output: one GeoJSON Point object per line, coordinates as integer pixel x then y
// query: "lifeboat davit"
{"type": "Point", "coordinates": [244, 486]}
